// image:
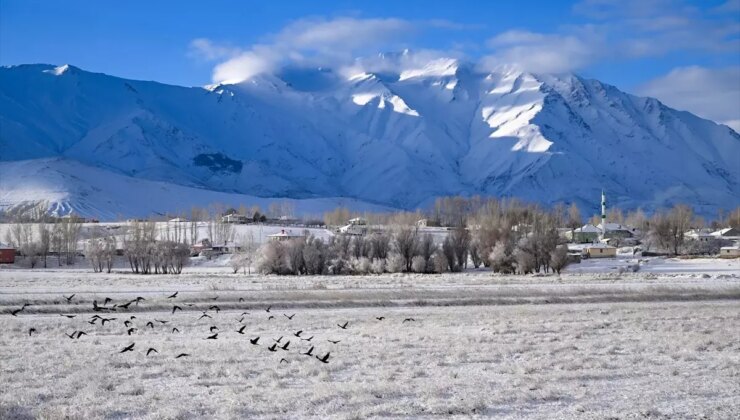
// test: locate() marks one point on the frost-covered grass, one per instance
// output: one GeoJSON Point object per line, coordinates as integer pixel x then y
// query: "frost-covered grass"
{"type": "Point", "coordinates": [629, 346]}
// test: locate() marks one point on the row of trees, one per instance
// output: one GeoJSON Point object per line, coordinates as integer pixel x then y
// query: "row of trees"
{"type": "Point", "coordinates": [147, 255]}
{"type": "Point", "coordinates": [37, 241]}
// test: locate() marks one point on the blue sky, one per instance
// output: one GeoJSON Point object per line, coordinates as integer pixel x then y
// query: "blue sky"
{"type": "Point", "coordinates": [642, 46]}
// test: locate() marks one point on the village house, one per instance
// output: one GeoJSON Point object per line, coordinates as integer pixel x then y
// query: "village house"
{"type": "Point", "coordinates": [730, 251]}
{"type": "Point", "coordinates": [7, 254]}
{"type": "Point", "coordinates": [583, 234]}
{"type": "Point", "coordinates": [700, 235]}
{"type": "Point", "coordinates": [731, 234]}
{"type": "Point", "coordinates": [284, 235]}
{"type": "Point", "coordinates": [235, 218]}
{"type": "Point", "coordinates": [599, 250]}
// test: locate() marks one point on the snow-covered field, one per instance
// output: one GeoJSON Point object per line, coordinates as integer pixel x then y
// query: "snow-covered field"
{"type": "Point", "coordinates": [660, 344]}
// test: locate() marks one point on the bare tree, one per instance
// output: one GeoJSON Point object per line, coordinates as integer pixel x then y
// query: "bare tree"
{"type": "Point", "coordinates": [404, 241]}
{"type": "Point", "coordinates": [559, 258]}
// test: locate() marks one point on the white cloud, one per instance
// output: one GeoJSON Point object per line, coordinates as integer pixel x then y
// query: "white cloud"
{"type": "Point", "coordinates": [205, 49]}
{"type": "Point", "coordinates": [709, 93]}
{"type": "Point", "coordinates": [542, 53]}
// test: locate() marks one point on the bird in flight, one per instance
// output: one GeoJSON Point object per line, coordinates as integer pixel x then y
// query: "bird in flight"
{"type": "Point", "coordinates": [150, 324]}
{"type": "Point", "coordinates": [139, 299]}
{"type": "Point", "coordinates": [285, 347]}
{"type": "Point", "coordinates": [107, 301]}
{"type": "Point", "coordinates": [127, 323]}
{"type": "Point", "coordinates": [205, 315]}
{"type": "Point", "coordinates": [241, 299]}
{"type": "Point", "coordinates": [17, 311]}
{"type": "Point", "coordinates": [92, 322]}
{"type": "Point", "coordinates": [344, 327]}
{"type": "Point", "coordinates": [151, 350]}
{"type": "Point", "coordinates": [212, 337]}
{"type": "Point", "coordinates": [161, 322]}
{"type": "Point", "coordinates": [324, 359]}
{"type": "Point", "coordinates": [334, 342]}
{"type": "Point", "coordinates": [126, 305]}
{"type": "Point", "coordinates": [130, 331]}
{"type": "Point", "coordinates": [408, 320]}
{"type": "Point", "coordinates": [244, 313]}
{"type": "Point", "coordinates": [298, 333]}
{"type": "Point", "coordinates": [31, 331]}
{"type": "Point", "coordinates": [268, 308]}
{"type": "Point", "coordinates": [175, 308]}
{"type": "Point", "coordinates": [214, 307]}
{"type": "Point", "coordinates": [309, 352]}
{"type": "Point", "coordinates": [289, 317]}
{"type": "Point", "coordinates": [181, 355]}
{"type": "Point", "coordinates": [283, 360]}
{"type": "Point", "coordinates": [130, 347]}
{"type": "Point", "coordinates": [172, 296]}
{"type": "Point", "coordinates": [380, 318]}
{"type": "Point", "coordinates": [175, 330]}
{"type": "Point", "coordinates": [80, 334]}
{"type": "Point", "coordinates": [307, 339]}
{"type": "Point", "coordinates": [213, 328]}
{"type": "Point", "coordinates": [272, 347]}
{"type": "Point", "coordinates": [104, 320]}
{"type": "Point", "coordinates": [68, 316]}
{"type": "Point", "coordinates": [241, 330]}
{"type": "Point", "coordinates": [69, 298]}
{"type": "Point", "coordinates": [278, 340]}
{"type": "Point", "coordinates": [240, 320]}
{"type": "Point", "coordinates": [72, 336]}
{"type": "Point", "coordinates": [254, 340]}
{"type": "Point", "coordinates": [270, 317]}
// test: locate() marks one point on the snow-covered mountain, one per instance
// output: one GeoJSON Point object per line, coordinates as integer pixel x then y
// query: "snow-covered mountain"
{"type": "Point", "coordinates": [392, 138]}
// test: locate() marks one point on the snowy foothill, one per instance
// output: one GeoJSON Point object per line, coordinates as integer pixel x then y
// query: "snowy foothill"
{"type": "Point", "coordinates": [594, 342]}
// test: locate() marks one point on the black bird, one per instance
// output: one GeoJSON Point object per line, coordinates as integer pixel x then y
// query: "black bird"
{"type": "Point", "coordinates": [151, 349]}
{"type": "Point", "coordinates": [80, 334]}
{"type": "Point", "coordinates": [96, 316]}
{"type": "Point", "coordinates": [298, 333]}
{"type": "Point", "coordinates": [132, 317]}
{"type": "Point", "coordinates": [283, 360]}
{"type": "Point", "coordinates": [244, 313]}
{"type": "Point", "coordinates": [215, 298]}
{"type": "Point", "coordinates": [174, 308]}
{"type": "Point", "coordinates": [324, 359]}
{"type": "Point", "coordinates": [31, 331]}
{"type": "Point", "coordinates": [380, 318]}
{"type": "Point", "coordinates": [241, 330]}
{"type": "Point", "coordinates": [104, 320]}
{"type": "Point", "coordinates": [213, 327]}
{"type": "Point", "coordinates": [254, 340]}
{"type": "Point", "coordinates": [272, 347]}
{"type": "Point", "coordinates": [289, 317]}
{"type": "Point", "coordinates": [130, 347]}
{"type": "Point", "coordinates": [212, 337]}
{"type": "Point", "coordinates": [150, 324]}
{"type": "Point", "coordinates": [72, 336]}
{"type": "Point", "coordinates": [270, 317]}
{"type": "Point", "coordinates": [408, 320]}
{"type": "Point", "coordinates": [130, 331]}
{"type": "Point", "coordinates": [241, 320]}
{"type": "Point", "coordinates": [268, 308]}
{"type": "Point", "coordinates": [162, 322]}
{"type": "Point", "coordinates": [92, 322]}
{"type": "Point", "coordinates": [344, 327]}
{"type": "Point", "coordinates": [241, 299]}
{"type": "Point", "coordinates": [68, 316]}
{"type": "Point", "coordinates": [172, 296]}
{"type": "Point", "coordinates": [205, 315]}
{"type": "Point", "coordinates": [25, 304]}
{"type": "Point", "coordinates": [214, 307]}
{"type": "Point", "coordinates": [175, 329]}
{"type": "Point", "coordinates": [69, 298]}
{"type": "Point", "coordinates": [309, 352]}
{"type": "Point", "coordinates": [181, 355]}
{"type": "Point", "coordinates": [16, 312]}
{"type": "Point", "coordinates": [139, 299]}
{"type": "Point", "coordinates": [307, 339]}
{"type": "Point", "coordinates": [285, 347]}
{"type": "Point", "coordinates": [278, 340]}
{"type": "Point", "coordinates": [334, 342]}
{"type": "Point", "coordinates": [126, 305]}
{"type": "Point", "coordinates": [107, 301]}
{"type": "Point", "coordinates": [127, 323]}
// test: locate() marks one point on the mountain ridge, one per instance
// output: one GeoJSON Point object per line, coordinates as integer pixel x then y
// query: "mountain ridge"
{"type": "Point", "coordinates": [395, 139]}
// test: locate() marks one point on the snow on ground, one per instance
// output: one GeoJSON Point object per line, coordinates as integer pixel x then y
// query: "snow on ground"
{"type": "Point", "coordinates": [582, 345]}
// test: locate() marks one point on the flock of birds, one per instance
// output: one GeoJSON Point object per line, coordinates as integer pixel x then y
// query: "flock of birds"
{"type": "Point", "coordinates": [104, 314]}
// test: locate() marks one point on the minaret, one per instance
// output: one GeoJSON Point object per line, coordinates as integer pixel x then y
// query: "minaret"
{"type": "Point", "coordinates": [603, 214]}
